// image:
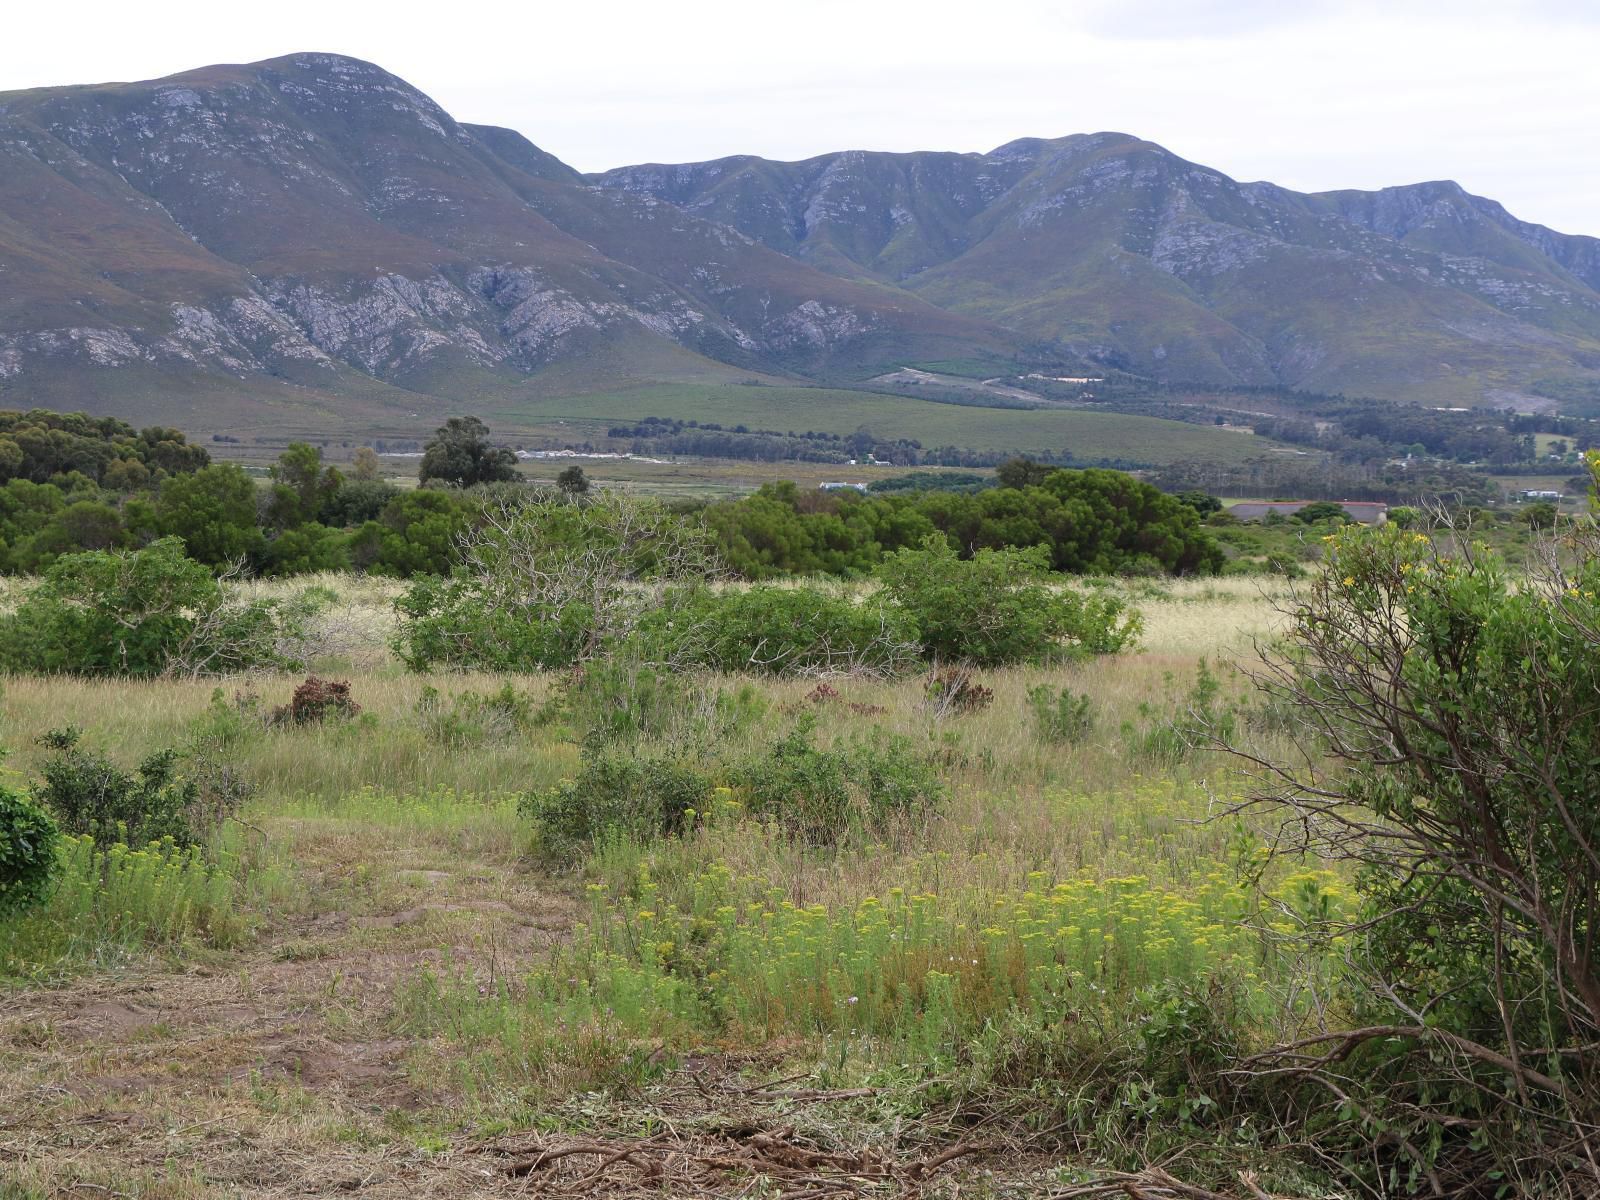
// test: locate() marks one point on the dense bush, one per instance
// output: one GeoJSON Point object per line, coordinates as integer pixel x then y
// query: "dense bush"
{"type": "Point", "coordinates": [141, 612]}
{"type": "Point", "coordinates": [551, 582]}
{"type": "Point", "coordinates": [1457, 700]}
{"type": "Point", "coordinates": [28, 841]}
{"type": "Point", "coordinates": [1000, 607]}
{"type": "Point", "coordinates": [874, 785]}
{"type": "Point", "coordinates": [780, 631]}
{"type": "Point", "coordinates": [91, 795]}
{"type": "Point", "coordinates": [1093, 521]}
{"type": "Point", "coordinates": [619, 793]}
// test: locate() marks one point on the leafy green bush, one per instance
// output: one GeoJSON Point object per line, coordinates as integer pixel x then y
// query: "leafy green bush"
{"type": "Point", "coordinates": [28, 840]}
{"type": "Point", "coordinates": [141, 612]}
{"type": "Point", "coordinates": [617, 792]}
{"type": "Point", "coordinates": [1447, 752]}
{"type": "Point", "coordinates": [1060, 716]}
{"type": "Point", "coordinates": [1000, 607]}
{"type": "Point", "coordinates": [780, 631]}
{"type": "Point", "coordinates": [547, 583]}
{"type": "Point", "coordinates": [449, 623]}
{"type": "Point", "coordinates": [91, 795]}
{"type": "Point", "coordinates": [871, 785]}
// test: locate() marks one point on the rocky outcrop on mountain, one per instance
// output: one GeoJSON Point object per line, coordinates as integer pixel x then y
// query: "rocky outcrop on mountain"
{"type": "Point", "coordinates": [316, 227]}
{"type": "Point", "coordinates": [312, 216]}
{"type": "Point", "coordinates": [1113, 248]}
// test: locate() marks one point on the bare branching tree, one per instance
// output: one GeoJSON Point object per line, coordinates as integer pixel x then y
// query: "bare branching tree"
{"type": "Point", "coordinates": [605, 561]}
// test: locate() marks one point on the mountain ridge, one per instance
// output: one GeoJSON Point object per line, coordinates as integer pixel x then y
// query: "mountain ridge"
{"type": "Point", "coordinates": [1460, 270]}
{"type": "Point", "coordinates": [313, 233]}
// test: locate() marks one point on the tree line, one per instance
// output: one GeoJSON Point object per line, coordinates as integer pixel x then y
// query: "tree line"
{"type": "Point", "coordinates": [70, 483]}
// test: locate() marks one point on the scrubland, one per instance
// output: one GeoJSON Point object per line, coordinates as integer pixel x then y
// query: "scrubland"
{"type": "Point", "coordinates": [382, 980]}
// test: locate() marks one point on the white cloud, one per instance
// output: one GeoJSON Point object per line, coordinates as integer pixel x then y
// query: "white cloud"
{"type": "Point", "coordinates": [1502, 96]}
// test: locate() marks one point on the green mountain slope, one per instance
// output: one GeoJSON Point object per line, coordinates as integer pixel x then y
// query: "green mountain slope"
{"type": "Point", "coordinates": [1113, 248]}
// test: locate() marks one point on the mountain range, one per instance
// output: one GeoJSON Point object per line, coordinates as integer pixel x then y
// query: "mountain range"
{"type": "Point", "coordinates": [312, 234]}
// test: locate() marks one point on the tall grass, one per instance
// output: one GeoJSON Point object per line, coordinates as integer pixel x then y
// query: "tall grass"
{"type": "Point", "coordinates": [109, 904]}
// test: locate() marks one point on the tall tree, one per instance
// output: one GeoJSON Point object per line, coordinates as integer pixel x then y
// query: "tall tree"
{"type": "Point", "coordinates": [460, 452]}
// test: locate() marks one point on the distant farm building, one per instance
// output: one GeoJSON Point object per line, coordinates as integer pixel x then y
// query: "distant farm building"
{"type": "Point", "coordinates": [1554, 497]}
{"type": "Point", "coordinates": [1368, 512]}
{"type": "Point", "coordinates": [834, 487]}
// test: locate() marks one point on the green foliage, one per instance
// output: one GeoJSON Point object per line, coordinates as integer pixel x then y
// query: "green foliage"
{"type": "Point", "coordinates": [302, 488]}
{"type": "Point", "coordinates": [547, 583]}
{"type": "Point", "coordinates": [109, 901]}
{"type": "Point", "coordinates": [1167, 736]}
{"type": "Point", "coordinates": [475, 718]}
{"type": "Point", "coordinates": [1060, 717]}
{"type": "Point", "coordinates": [1456, 700]}
{"type": "Point", "coordinates": [417, 533]}
{"type": "Point", "coordinates": [1321, 510]}
{"type": "Point", "coordinates": [39, 445]}
{"type": "Point", "coordinates": [1203, 503]}
{"type": "Point", "coordinates": [214, 512]}
{"type": "Point", "coordinates": [92, 796]}
{"type": "Point", "coordinates": [999, 607]}
{"type": "Point", "coordinates": [619, 793]}
{"type": "Point", "coordinates": [140, 612]}
{"type": "Point", "coordinates": [876, 786]}
{"type": "Point", "coordinates": [1092, 522]}
{"type": "Point", "coordinates": [779, 631]}
{"type": "Point", "coordinates": [461, 453]}
{"type": "Point", "coordinates": [449, 623]}
{"type": "Point", "coordinates": [781, 530]}
{"type": "Point", "coordinates": [1540, 516]}
{"type": "Point", "coordinates": [28, 840]}
{"type": "Point", "coordinates": [573, 481]}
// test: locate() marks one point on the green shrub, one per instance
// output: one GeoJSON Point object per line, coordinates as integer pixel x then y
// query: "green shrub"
{"type": "Point", "coordinates": [1000, 607]}
{"type": "Point", "coordinates": [1060, 717]}
{"type": "Point", "coordinates": [449, 623]}
{"type": "Point", "coordinates": [91, 795]}
{"type": "Point", "coordinates": [547, 583]}
{"type": "Point", "coordinates": [142, 612]}
{"type": "Point", "coordinates": [619, 793]}
{"type": "Point", "coordinates": [28, 840]}
{"type": "Point", "coordinates": [870, 785]}
{"type": "Point", "coordinates": [780, 631]}
{"type": "Point", "coordinates": [1169, 736]}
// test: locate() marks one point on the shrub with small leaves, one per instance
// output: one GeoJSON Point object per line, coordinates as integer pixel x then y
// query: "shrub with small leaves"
{"type": "Point", "coordinates": [618, 792]}
{"type": "Point", "coordinates": [819, 795]}
{"type": "Point", "coordinates": [91, 795]}
{"type": "Point", "coordinates": [28, 840]}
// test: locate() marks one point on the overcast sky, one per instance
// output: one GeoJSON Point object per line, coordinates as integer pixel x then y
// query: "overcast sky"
{"type": "Point", "coordinates": [1503, 96]}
